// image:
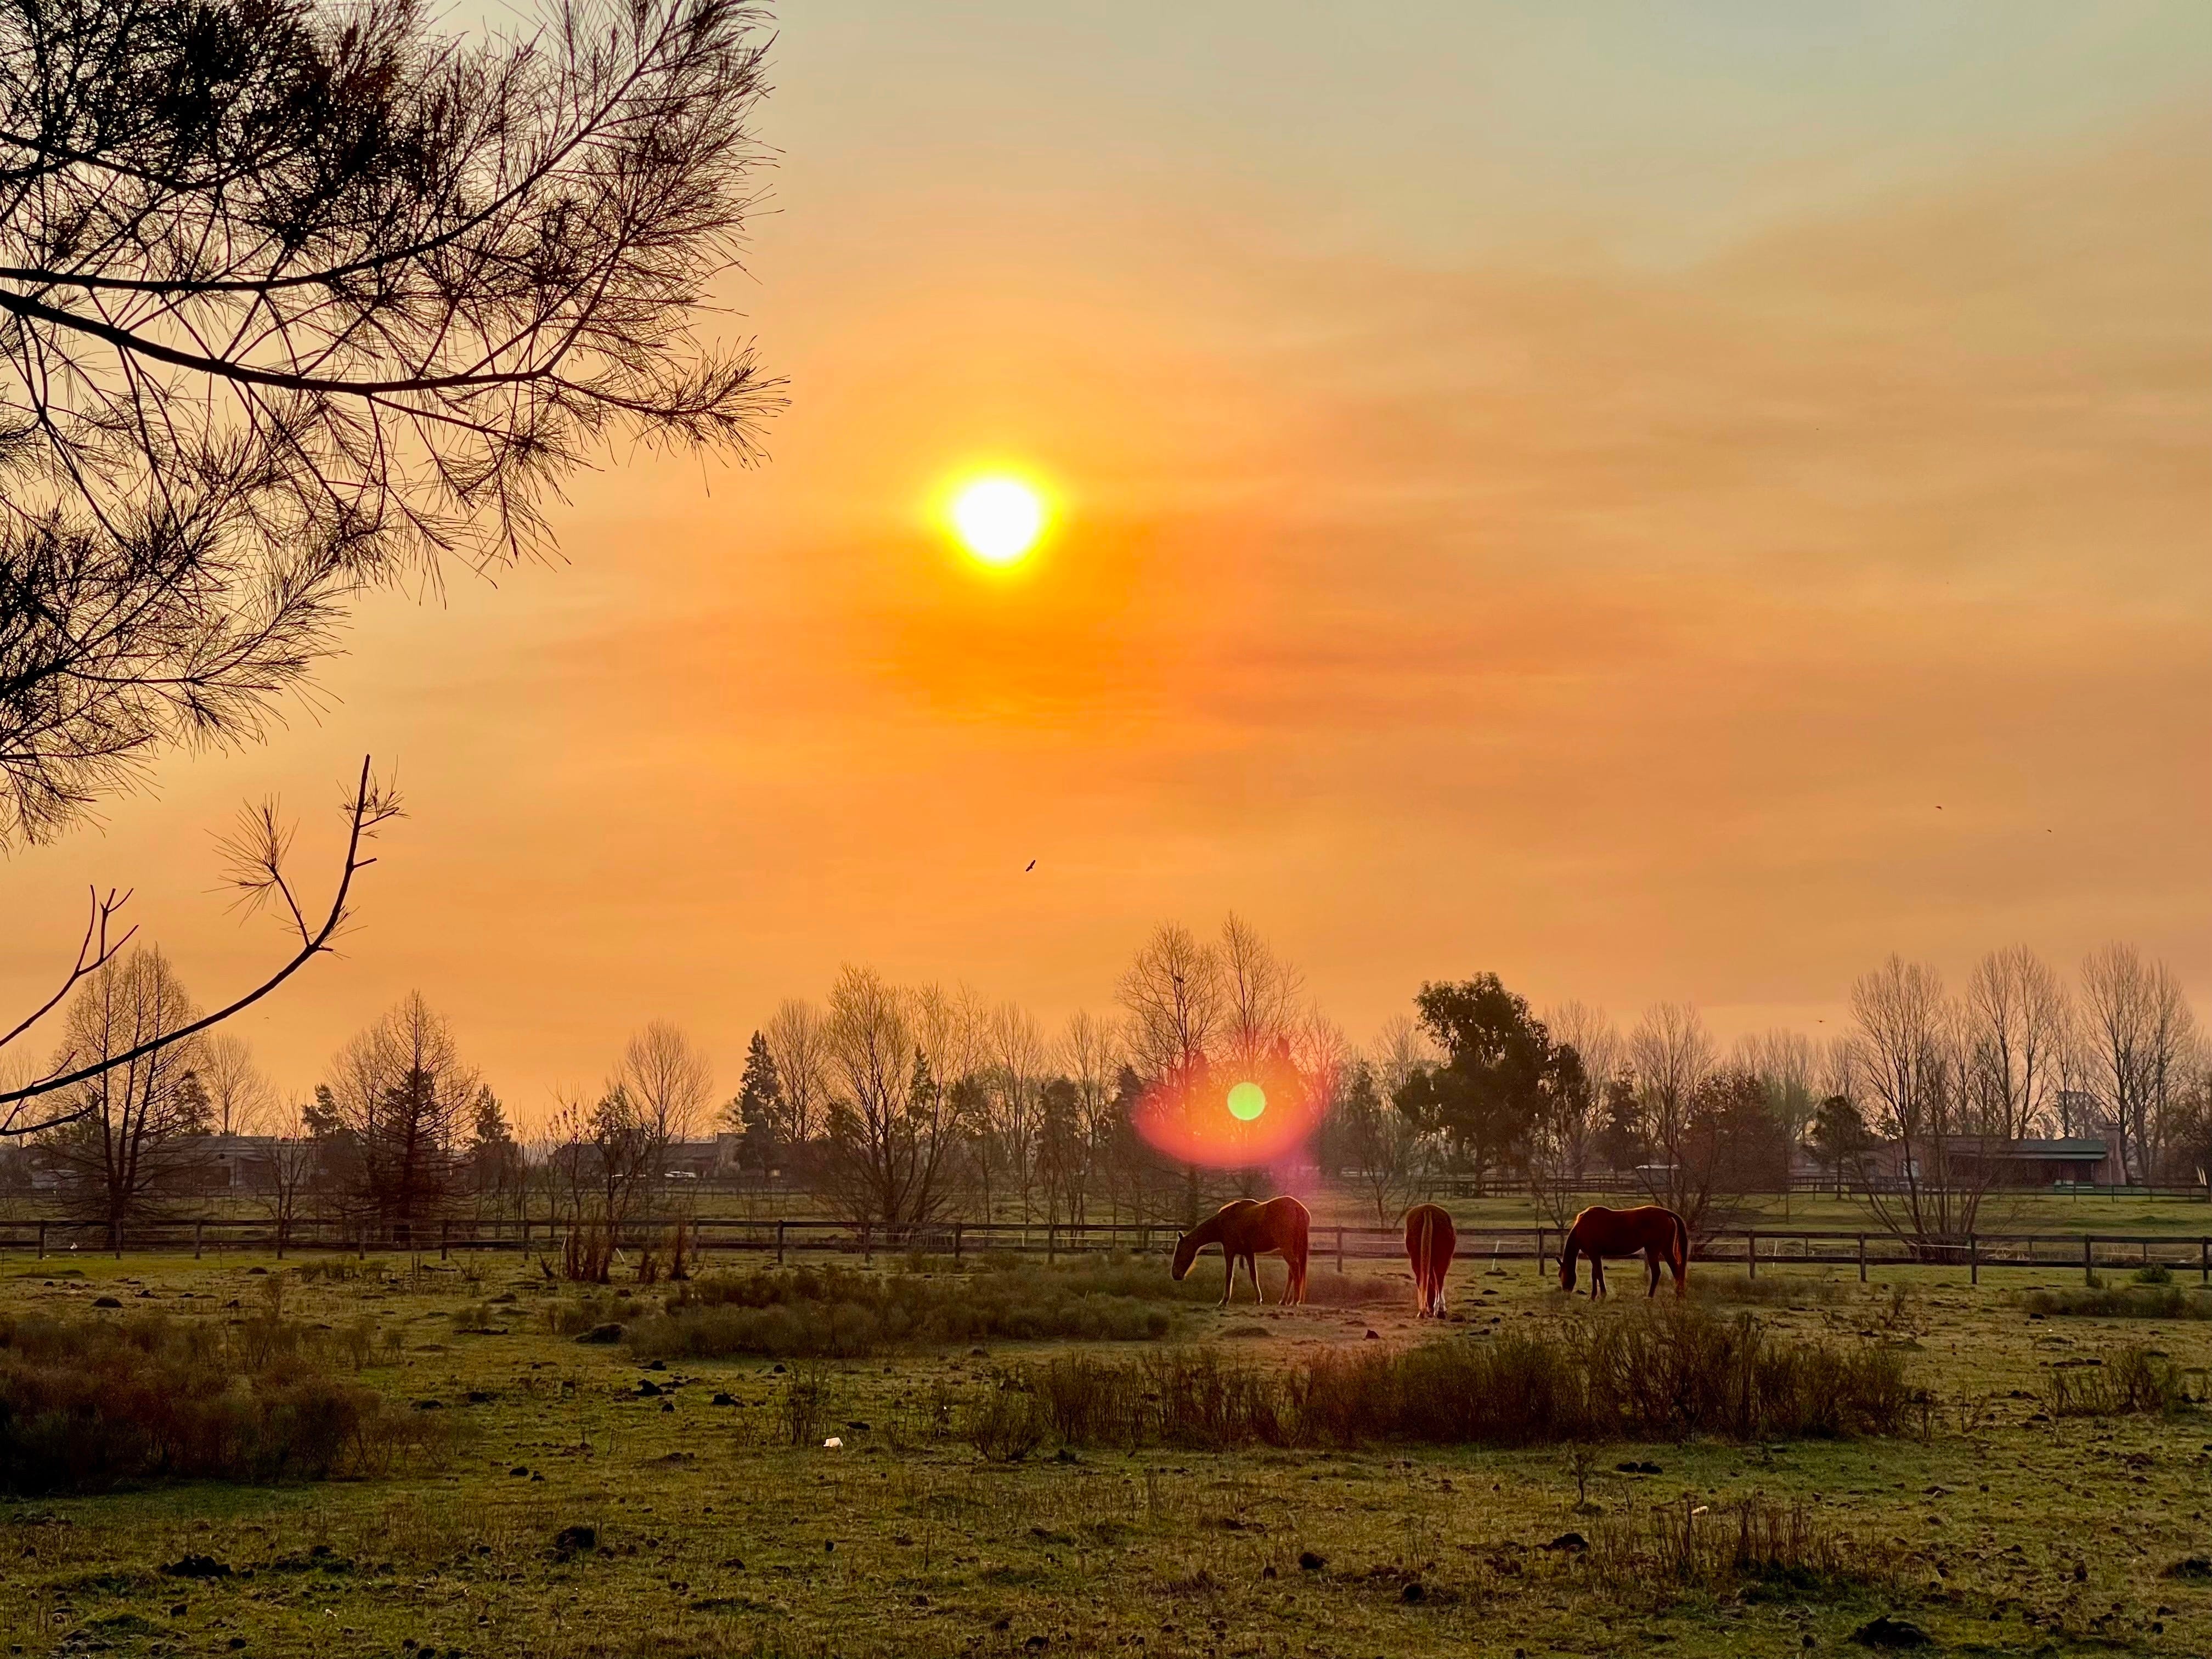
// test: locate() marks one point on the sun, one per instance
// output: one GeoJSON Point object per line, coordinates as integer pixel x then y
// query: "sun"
{"type": "Point", "coordinates": [998, 519]}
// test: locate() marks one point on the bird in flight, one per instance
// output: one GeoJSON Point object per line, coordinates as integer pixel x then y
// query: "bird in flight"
{"type": "Point", "coordinates": [1031, 865]}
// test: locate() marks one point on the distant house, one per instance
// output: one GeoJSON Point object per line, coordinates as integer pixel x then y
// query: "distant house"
{"type": "Point", "coordinates": [2088, 1160]}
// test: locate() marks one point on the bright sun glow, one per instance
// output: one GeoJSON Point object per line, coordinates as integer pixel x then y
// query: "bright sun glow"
{"type": "Point", "coordinates": [998, 519]}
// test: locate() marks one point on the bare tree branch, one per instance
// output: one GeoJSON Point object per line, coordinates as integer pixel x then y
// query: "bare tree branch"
{"type": "Point", "coordinates": [371, 806]}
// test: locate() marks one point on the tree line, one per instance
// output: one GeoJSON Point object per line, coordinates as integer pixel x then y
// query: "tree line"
{"type": "Point", "coordinates": [908, 1104]}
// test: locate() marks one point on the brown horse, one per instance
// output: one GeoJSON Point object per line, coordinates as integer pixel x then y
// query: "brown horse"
{"type": "Point", "coordinates": [1246, 1231]}
{"type": "Point", "coordinates": [1431, 1239]}
{"type": "Point", "coordinates": [1653, 1228]}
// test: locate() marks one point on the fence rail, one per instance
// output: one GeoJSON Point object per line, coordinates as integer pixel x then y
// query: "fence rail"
{"type": "Point", "coordinates": [708, 1237]}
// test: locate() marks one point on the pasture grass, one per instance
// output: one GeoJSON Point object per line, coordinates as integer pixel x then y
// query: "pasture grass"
{"type": "Point", "coordinates": [580, 1515]}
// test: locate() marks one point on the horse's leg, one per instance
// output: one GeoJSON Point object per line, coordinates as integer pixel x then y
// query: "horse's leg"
{"type": "Point", "coordinates": [1228, 1280]}
{"type": "Point", "coordinates": [1651, 1267]}
{"type": "Point", "coordinates": [1597, 1277]}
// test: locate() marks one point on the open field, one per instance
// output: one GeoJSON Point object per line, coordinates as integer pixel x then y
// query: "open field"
{"type": "Point", "coordinates": [1992, 1521]}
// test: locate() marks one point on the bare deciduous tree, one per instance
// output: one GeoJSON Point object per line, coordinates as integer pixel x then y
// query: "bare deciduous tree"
{"type": "Point", "coordinates": [401, 1091]}
{"type": "Point", "coordinates": [138, 1112]}
{"type": "Point", "coordinates": [1173, 995]}
{"type": "Point", "coordinates": [1672, 1054]}
{"type": "Point", "coordinates": [2017, 1024]}
{"type": "Point", "coordinates": [2137, 1028]}
{"type": "Point", "coordinates": [239, 1098]}
{"type": "Point", "coordinates": [1788, 1070]}
{"type": "Point", "coordinates": [893, 1127]}
{"type": "Point", "coordinates": [1911, 1065]}
{"type": "Point", "coordinates": [797, 1038]}
{"type": "Point", "coordinates": [670, 1082]}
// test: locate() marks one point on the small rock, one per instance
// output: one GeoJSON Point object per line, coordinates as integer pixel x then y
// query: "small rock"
{"type": "Point", "coordinates": [570, 1539]}
{"type": "Point", "coordinates": [196, 1566]}
{"type": "Point", "coordinates": [1887, 1632]}
{"type": "Point", "coordinates": [105, 1302]}
{"type": "Point", "coordinates": [1311, 1562]}
{"type": "Point", "coordinates": [603, 1336]}
{"type": "Point", "coordinates": [1413, 1592]}
{"type": "Point", "coordinates": [726, 1400]}
{"type": "Point", "coordinates": [1569, 1540]}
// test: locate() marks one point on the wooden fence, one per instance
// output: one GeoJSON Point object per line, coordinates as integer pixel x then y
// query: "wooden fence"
{"type": "Point", "coordinates": [711, 1237]}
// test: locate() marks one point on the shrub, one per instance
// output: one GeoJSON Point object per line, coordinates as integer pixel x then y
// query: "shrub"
{"type": "Point", "coordinates": [590, 1312]}
{"type": "Point", "coordinates": [1749, 1545]}
{"type": "Point", "coordinates": [2127, 1382]}
{"type": "Point", "coordinates": [836, 1313]}
{"type": "Point", "coordinates": [2142, 1301]}
{"type": "Point", "coordinates": [2153, 1272]}
{"type": "Point", "coordinates": [87, 1404]}
{"type": "Point", "coordinates": [1005, 1424]}
{"type": "Point", "coordinates": [1647, 1376]}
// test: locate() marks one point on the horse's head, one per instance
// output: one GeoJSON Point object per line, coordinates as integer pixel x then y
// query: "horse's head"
{"type": "Point", "coordinates": [1567, 1269]}
{"type": "Point", "coordinates": [1185, 1252]}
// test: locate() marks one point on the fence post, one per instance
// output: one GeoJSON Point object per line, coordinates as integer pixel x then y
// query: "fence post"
{"type": "Point", "coordinates": [1751, 1254]}
{"type": "Point", "coordinates": [42, 1241]}
{"type": "Point", "coordinates": [2088, 1271]}
{"type": "Point", "coordinates": [1051, 1242]}
{"type": "Point", "coordinates": [444, 1234]}
{"type": "Point", "coordinates": [2204, 1261]}
{"type": "Point", "coordinates": [118, 1241]}
{"type": "Point", "coordinates": [1542, 1257]}
{"type": "Point", "coordinates": [956, 1243]}
{"type": "Point", "coordinates": [779, 1243]}
{"type": "Point", "coordinates": [1973, 1259]}
{"type": "Point", "coordinates": [197, 1225]}
{"type": "Point", "coordinates": [1340, 1249]}
{"type": "Point", "coordinates": [867, 1245]}
{"type": "Point", "coordinates": [360, 1243]}
{"type": "Point", "coordinates": [1861, 1258]}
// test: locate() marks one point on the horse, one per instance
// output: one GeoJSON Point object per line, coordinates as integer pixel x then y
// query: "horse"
{"type": "Point", "coordinates": [1598, 1232]}
{"type": "Point", "coordinates": [1247, 1229]}
{"type": "Point", "coordinates": [1431, 1239]}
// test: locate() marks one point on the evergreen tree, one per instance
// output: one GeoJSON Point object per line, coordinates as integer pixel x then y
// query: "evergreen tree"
{"type": "Point", "coordinates": [759, 1106]}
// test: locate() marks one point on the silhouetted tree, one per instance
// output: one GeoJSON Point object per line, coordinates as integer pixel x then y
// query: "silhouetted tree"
{"type": "Point", "coordinates": [299, 297]}
{"type": "Point", "coordinates": [1498, 1076]}
{"type": "Point", "coordinates": [136, 1123]}
{"type": "Point", "coordinates": [402, 1092]}
{"type": "Point", "coordinates": [758, 1111]}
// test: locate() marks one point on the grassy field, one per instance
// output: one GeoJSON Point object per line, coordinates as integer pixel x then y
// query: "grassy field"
{"type": "Point", "coordinates": [584, 1503]}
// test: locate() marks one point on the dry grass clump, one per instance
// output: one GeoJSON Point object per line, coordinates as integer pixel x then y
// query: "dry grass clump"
{"type": "Point", "coordinates": [1649, 1376]}
{"type": "Point", "coordinates": [836, 1313]}
{"type": "Point", "coordinates": [1749, 1545]}
{"type": "Point", "coordinates": [2120, 1384]}
{"type": "Point", "coordinates": [1775, 1290]}
{"type": "Point", "coordinates": [87, 1404]}
{"type": "Point", "coordinates": [2146, 1301]}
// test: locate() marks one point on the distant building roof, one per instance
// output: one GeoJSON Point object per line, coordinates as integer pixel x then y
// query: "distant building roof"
{"type": "Point", "coordinates": [2077, 1147]}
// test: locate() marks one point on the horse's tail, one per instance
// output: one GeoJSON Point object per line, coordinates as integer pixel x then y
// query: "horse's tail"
{"type": "Point", "coordinates": [1424, 1269]}
{"type": "Point", "coordinates": [1567, 1254]}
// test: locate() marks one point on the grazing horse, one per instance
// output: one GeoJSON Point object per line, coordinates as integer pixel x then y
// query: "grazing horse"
{"type": "Point", "coordinates": [1598, 1232]}
{"type": "Point", "coordinates": [1246, 1231]}
{"type": "Point", "coordinates": [1431, 1239]}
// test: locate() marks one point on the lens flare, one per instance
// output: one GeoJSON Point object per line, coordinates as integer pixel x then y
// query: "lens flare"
{"type": "Point", "coordinates": [1266, 1117]}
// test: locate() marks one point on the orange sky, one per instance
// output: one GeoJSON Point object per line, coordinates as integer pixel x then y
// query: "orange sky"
{"type": "Point", "coordinates": [1570, 497]}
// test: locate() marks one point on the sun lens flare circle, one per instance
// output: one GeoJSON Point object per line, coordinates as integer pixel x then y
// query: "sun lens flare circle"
{"type": "Point", "coordinates": [1247, 1101]}
{"type": "Point", "coordinates": [998, 519]}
